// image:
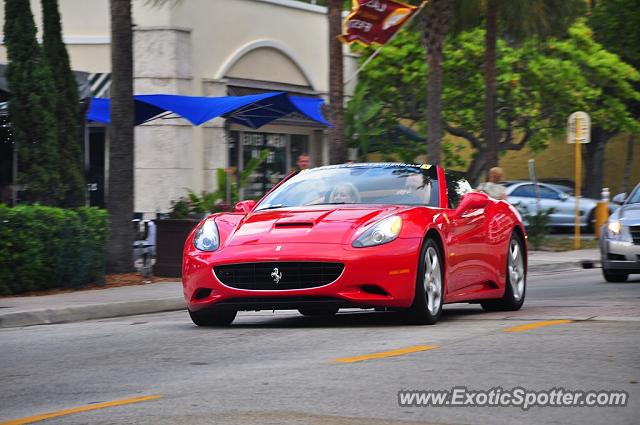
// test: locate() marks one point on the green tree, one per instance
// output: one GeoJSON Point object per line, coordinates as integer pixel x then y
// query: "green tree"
{"type": "Point", "coordinates": [67, 109]}
{"type": "Point", "coordinates": [514, 20]}
{"type": "Point", "coordinates": [539, 83]}
{"type": "Point", "coordinates": [616, 24]}
{"type": "Point", "coordinates": [31, 107]}
{"type": "Point", "coordinates": [360, 119]}
{"type": "Point", "coordinates": [610, 94]}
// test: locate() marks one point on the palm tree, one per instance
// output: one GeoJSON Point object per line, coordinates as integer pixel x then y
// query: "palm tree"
{"type": "Point", "coordinates": [515, 20]}
{"type": "Point", "coordinates": [435, 21]}
{"type": "Point", "coordinates": [337, 151]}
{"type": "Point", "coordinates": [120, 187]}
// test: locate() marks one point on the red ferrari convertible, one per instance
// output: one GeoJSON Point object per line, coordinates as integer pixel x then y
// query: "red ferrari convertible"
{"type": "Point", "coordinates": [396, 236]}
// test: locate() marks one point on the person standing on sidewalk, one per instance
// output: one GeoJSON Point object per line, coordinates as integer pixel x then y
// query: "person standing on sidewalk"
{"type": "Point", "coordinates": [304, 161]}
{"type": "Point", "coordinates": [492, 187]}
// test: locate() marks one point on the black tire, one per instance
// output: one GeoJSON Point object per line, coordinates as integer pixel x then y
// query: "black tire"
{"type": "Point", "coordinates": [591, 221]}
{"type": "Point", "coordinates": [418, 313]}
{"type": "Point", "coordinates": [319, 311]}
{"type": "Point", "coordinates": [509, 301]}
{"type": "Point", "coordinates": [215, 316]}
{"type": "Point", "coordinates": [614, 276]}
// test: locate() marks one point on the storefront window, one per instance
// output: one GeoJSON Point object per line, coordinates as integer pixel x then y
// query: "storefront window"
{"type": "Point", "coordinates": [283, 153]}
{"type": "Point", "coordinates": [299, 145]}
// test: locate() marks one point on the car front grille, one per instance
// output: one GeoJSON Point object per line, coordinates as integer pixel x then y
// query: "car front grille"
{"type": "Point", "coordinates": [635, 234]}
{"type": "Point", "coordinates": [278, 276]}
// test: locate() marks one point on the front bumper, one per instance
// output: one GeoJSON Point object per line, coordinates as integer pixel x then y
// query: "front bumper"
{"type": "Point", "coordinates": [381, 276]}
{"type": "Point", "coordinates": [620, 255]}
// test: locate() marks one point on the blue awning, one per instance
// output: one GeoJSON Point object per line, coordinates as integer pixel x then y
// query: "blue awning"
{"type": "Point", "coordinates": [99, 111]}
{"type": "Point", "coordinates": [252, 111]}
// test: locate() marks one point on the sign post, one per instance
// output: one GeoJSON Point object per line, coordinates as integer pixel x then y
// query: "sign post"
{"type": "Point", "coordinates": [534, 179]}
{"type": "Point", "coordinates": [579, 132]}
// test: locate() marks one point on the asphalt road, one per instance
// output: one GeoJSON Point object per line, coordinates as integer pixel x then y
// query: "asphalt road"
{"type": "Point", "coordinates": [281, 368]}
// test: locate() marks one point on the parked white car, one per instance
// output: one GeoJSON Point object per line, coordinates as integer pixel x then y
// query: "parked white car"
{"type": "Point", "coordinates": [522, 194]}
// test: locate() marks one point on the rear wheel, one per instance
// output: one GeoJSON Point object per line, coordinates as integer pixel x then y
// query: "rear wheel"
{"type": "Point", "coordinates": [215, 316]}
{"type": "Point", "coordinates": [318, 311]}
{"type": "Point", "coordinates": [614, 276]}
{"type": "Point", "coordinates": [428, 299]}
{"type": "Point", "coordinates": [516, 282]}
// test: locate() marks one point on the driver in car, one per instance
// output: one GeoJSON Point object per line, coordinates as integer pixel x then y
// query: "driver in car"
{"type": "Point", "coordinates": [417, 189]}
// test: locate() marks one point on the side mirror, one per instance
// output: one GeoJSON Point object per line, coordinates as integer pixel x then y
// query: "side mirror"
{"type": "Point", "coordinates": [472, 201]}
{"type": "Point", "coordinates": [619, 198]}
{"type": "Point", "coordinates": [245, 206]}
{"type": "Point", "coordinates": [563, 196]}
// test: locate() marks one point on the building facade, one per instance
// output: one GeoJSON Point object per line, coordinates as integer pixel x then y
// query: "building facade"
{"type": "Point", "coordinates": [205, 48]}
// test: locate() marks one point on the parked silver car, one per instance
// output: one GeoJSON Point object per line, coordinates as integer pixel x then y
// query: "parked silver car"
{"type": "Point", "coordinates": [522, 194]}
{"type": "Point", "coordinates": [620, 239]}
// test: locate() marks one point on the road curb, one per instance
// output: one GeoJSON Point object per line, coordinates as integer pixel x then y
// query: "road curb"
{"type": "Point", "coordinates": [89, 312]}
{"type": "Point", "coordinates": [132, 308]}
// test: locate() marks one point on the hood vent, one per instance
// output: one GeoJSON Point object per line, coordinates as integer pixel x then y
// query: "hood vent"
{"type": "Point", "coordinates": [289, 224]}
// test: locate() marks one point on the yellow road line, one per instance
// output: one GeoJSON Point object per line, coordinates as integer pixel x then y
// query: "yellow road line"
{"type": "Point", "coordinates": [522, 328]}
{"type": "Point", "coordinates": [49, 415]}
{"type": "Point", "coordinates": [383, 354]}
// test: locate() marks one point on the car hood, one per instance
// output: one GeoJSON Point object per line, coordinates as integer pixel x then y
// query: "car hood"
{"type": "Point", "coordinates": [319, 224]}
{"type": "Point", "coordinates": [628, 214]}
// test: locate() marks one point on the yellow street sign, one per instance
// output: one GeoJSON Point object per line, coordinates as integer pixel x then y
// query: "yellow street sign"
{"type": "Point", "coordinates": [579, 127]}
{"type": "Point", "coordinates": [578, 132]}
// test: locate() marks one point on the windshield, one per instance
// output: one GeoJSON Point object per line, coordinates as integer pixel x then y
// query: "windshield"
{"type": "Point", "coordinates": [396, 184]}
{"type": "Point", "coordinates": [634, 198]}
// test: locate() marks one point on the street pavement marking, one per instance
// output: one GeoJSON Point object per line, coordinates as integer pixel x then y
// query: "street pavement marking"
{"type": "Point", "coordinates": [49, 415]}
{"type": "Point", "coordinates": [383, 354]}
{"type": "Point", "coordinates": [522, 328]}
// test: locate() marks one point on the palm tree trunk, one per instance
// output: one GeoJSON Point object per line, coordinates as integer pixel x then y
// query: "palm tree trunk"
{"type": "Point", "coordinates": [120, 188]}
{"type": "Point", "coordinates": [490, 86]}
{"type": "Point", "coordinates": [475, 169]}
{"type": "Point", "coordinates": [435, 26]}
{"type": "Point", "coordinates": [337, 150]}
{"type": "Point", "coordinates": [627, 164]}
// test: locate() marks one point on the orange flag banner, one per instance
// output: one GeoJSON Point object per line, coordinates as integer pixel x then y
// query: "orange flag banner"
{"type": "Point", "coordinates": [375, 21]}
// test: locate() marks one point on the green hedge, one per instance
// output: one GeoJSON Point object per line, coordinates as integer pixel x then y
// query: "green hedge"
{"type": "Point", "coordinates": [44, 248]}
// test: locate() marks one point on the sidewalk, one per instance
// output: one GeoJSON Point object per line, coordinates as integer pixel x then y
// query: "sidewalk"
{"type": "Point", "coordinates": [167, 296]}
{"type": "Point", "coordinates": [91, 304]}
{"type": "Point", "coordinates": [542, 261]}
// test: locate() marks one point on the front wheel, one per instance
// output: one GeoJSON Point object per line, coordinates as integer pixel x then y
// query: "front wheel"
{"type": "Point", "coordinates": [429, 290]}
{"type": "Point", "coordinates": [611, 276]}
{"type": "Point", "coordinates": [516, 282]}
{"type": "Point", "coordinates": [215, 316]}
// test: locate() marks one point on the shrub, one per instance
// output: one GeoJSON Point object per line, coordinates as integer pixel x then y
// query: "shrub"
{"type": "Point", "coordinates": [537, 225]}
{"type": "Point", "coordinates": [44, 247]}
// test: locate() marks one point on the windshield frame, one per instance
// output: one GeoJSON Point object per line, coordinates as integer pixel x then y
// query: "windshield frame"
{"type": "Point", "coordinates": [635, 193]}
{"type": "Point", "coordinates": [427, 171]}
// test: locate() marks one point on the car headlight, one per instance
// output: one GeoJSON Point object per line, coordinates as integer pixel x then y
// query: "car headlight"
{"type": "Point", "coordinates": [379, 233]}
{"type": "Point", "coordinates": [207, 237]}
{"type": "Point", "coordinates": [614, 228]}
{"type": "Point", "coordinates": [617, 231]}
